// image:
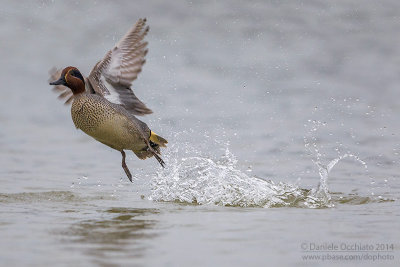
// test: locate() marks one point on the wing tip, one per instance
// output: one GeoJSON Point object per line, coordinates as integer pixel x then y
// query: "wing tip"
{"type": "Point", "coordinates": [145, 111]}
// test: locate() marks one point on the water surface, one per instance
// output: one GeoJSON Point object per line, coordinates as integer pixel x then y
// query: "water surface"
{"type": "Point", "coordinates": [283, 129]}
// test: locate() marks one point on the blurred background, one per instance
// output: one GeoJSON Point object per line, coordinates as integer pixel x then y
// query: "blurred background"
{"type": "Point", "coordinates": [281, 84]}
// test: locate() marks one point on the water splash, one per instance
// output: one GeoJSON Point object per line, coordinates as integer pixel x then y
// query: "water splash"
{"type": "Point", "coordinates": [321, 193]}
{"type": "Point", "coordinates": [207, 181]}
{"type": "Point", "coordinates": [199, 180]}
{"type": "Point", "coordinates": [192, 177]}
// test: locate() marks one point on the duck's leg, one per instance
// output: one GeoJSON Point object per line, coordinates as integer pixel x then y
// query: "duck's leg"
{"type": "Point", "coordinates": [159, 159]}
{"type": "Point", "coordinates": [128, 173]}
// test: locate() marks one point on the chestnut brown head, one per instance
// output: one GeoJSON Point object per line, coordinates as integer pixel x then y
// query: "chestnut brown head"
{"type": "Point", "coordinates": [73, 79]}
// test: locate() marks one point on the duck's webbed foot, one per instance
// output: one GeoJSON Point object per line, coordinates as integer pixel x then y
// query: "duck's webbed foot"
{"type": "Point", "coordinates": [128, 173]}
{"type": "Point", "coordinates": [159, 159]}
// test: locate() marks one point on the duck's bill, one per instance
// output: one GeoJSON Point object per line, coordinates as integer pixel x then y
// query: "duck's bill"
{"type": "Point", "coordinates": [60, 81]}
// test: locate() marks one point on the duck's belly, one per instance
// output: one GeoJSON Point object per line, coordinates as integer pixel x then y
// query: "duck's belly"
{"type": "Point", "coordinates": [118, 134]}
{"type": "Point", "coordinates": [107, 126]}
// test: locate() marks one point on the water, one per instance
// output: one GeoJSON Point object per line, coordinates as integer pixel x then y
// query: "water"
{"type": "Point", "coordinates": [282, 122]}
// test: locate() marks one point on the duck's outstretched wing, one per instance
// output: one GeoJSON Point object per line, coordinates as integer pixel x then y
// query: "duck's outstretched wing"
{"type": "Point", "coordinates": [113, 75]}
{"type": "Point", "coordinates": [63, 91]}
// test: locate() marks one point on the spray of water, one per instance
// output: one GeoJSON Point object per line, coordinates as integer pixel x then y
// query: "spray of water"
{"type": "Point", "coordinates": [201, 180]}
{"type": "Point", "coordinates": [194, 178]}
{"type": "Point", "coordinates": [321, 193]}
{"type": "Point", "coordinates": [198, 179]}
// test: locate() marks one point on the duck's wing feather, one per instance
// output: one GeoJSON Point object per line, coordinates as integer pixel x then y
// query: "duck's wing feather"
{"type": "Point", "coordinates": [63, 91]}
{"type": "Point", "coordinates": [112, 77]}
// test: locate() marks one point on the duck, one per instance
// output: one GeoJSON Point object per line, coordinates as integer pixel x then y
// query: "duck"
{"type": "Point", "coordinates": [103, 104]}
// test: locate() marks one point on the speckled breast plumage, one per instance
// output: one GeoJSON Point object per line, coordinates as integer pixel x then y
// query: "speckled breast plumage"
{"type": "Point", "coordinates": [101, 120]}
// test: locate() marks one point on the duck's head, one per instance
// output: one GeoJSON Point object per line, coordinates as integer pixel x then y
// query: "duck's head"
{"type": "Point", "coordinates": [73, 79]}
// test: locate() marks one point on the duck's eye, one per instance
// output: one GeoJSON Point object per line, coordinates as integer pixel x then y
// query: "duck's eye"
{"type": "Point", "coordinates": [77, 74]}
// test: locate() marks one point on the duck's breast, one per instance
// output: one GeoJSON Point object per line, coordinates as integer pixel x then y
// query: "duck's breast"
{"type": "Point", "coordinates": [100, 119]}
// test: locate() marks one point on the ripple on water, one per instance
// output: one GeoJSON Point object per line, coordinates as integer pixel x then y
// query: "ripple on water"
{"type": "Point", "coordinates": [119, 232]}
{"type": "Point", "coordinates": [48, 196]}
{"type": "Point", "coordinates": [29, 197]}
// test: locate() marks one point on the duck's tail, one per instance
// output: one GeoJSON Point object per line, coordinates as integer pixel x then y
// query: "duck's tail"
{"type": "Point", "coordinates": [158, 140]}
